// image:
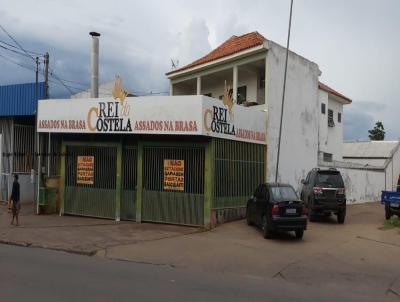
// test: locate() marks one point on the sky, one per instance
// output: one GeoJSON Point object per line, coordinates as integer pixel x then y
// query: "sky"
{"type": "Point", "coordinates": [355, 43]}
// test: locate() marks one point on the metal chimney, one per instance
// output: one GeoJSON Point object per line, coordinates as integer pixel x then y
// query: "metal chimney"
{"type": "Point", "coordinates": [94, 91]}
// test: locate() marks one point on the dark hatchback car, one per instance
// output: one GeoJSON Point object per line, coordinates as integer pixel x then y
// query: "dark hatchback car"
{"type": "Point", "coordinates": [324, 193]}
{"type": "Point", "coordinates": [276, 207]}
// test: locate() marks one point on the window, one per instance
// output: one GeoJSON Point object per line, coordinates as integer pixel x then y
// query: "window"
{"type": "Point", "coordinates": [322, 108]}
{"type": "Point", "coordinates": [308, 177]}
{"type": "Point", "coordinates": [208, 94]}
{"type": "Point", "coordinates": [331, 123]}
{"type": "Point", "coordinates": [327, 156]}
{"type": "Point", "coordinates": [283, 193]}
{"type": "Point", "coordinates": [330, 178]}
{"type": "Point", "coordinates": [264, 192]}
{"type": "Point", "coordinates": [241, 94]}
{"type": "Point", "coordinates": [339, 117]}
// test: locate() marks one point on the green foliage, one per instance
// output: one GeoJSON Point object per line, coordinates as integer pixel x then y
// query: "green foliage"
{"type": "Point", "coordinates": [392, 222]}
{"type": "Point", "coordinates": [377, 133]}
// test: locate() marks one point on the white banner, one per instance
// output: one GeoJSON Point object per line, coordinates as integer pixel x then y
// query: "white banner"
{"type": "Point", "coordinates": [183, 115]}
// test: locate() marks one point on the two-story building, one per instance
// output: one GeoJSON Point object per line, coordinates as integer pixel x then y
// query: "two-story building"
{"type": "Point", "coordinates": [252, 68]}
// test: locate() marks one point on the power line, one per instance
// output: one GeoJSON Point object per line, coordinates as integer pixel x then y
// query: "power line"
{"type": "Point", "coordinates": [31, 68]}
{"type": "Point", "coordinates": [16, 42]}
{"type": "Point", "coordinates": [54, 76]}
{"type": "Point", "coordinates": [30, 51]}
{"type": "Point", "coordinates": [14, 51]}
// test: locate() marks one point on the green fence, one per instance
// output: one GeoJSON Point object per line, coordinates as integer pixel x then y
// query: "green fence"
{"type": "Point", "coordinates": [238, 168]}
{"type": "Point", "coordinates": [162, 204]}
{"type": "Point", "coordinates": [96, 198]}
{"type": "Point", "coordinates": [129, 182]}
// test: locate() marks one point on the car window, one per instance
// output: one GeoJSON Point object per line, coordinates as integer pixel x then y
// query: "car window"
{"type": "Point", "coordinates": [328, 178]}
{"type": "Point", "coordinates": [283, 193]}
{"type": "Point", "coordinates": [308, 176]}
{"type": "Point", "coordinates": [257, 193]}
{"type": "Point", "coordinates": [264, 192]}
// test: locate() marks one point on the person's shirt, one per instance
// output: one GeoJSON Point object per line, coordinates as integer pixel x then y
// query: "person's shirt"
{"type": "Point", "coordinates": [15, 191]}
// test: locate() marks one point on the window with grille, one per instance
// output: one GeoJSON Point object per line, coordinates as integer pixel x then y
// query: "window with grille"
{"type": "Point", "coordinates": [331, 122]}
{"type": "Point", "coordinates": [327, 156]}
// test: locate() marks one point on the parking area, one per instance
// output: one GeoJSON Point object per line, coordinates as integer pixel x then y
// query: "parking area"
{"type": "Point", "coordinates": [360, 256]}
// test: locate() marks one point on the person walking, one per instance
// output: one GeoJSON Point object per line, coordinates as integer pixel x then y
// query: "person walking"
{"type": "Point", "coordinates": [16, 205]}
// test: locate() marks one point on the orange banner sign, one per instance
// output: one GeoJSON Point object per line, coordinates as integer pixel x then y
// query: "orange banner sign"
{"type": "Point", "coordinates": [85, 170]}
{"type": "Point", "coordinates": [174, 175]}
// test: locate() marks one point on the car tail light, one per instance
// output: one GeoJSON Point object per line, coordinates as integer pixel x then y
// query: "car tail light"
{"type": "Point", "coordinates": [341, 191]}
{"type": "Point", "coordinates": [275, 210]}
{"type": "Point", "coordinates": [317, 190]}
{"type": "Point", "coordinates": [304, 210]}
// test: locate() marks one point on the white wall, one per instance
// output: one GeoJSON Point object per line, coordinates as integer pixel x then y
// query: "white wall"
{"type": "Point", "coordinates": [363, 185]}
{"type": "Point", "coordinates": [330, 138]}
{"type": "Point", "coordinates": [323, 121]}
{"type": "Point", "coordinates": [335, 134]}
{"type": "Point", "coordinates": [299, 145]}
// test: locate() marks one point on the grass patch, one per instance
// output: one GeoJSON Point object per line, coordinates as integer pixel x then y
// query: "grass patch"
{"type": "Point", "coordinates": [393, 222]}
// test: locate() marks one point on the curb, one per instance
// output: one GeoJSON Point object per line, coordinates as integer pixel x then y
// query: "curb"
{"type": "Point", "coordinates": [35, 245]}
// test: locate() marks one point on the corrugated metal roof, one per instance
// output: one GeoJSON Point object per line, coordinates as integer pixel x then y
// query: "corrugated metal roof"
{"type": "Point", "coordinates": [20, 99]}
{"type": "Point", "coordinates": [369, 149]}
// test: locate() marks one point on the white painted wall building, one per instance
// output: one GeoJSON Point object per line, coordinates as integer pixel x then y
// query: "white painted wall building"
{"type": "Point", "coordinates": [253, 68]}
{"type": "Point", "coordinates": [368, 167]}
{"type": "Point", "coordinates": [330, 134]}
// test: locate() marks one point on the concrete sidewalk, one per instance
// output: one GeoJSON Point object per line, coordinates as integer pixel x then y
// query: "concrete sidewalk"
{"type": "Point", "coordinates": [80, 235]}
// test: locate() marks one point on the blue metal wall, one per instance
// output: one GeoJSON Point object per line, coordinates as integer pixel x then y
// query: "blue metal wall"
{"type": "Point", "coordinates": [20, 99]}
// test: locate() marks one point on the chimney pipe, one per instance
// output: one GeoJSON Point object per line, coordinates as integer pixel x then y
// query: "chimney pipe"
{"type": "Point", "coordinates": [94, 91]}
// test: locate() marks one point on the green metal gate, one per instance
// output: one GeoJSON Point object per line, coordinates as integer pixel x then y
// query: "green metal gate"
{"type": "Point", "coordinates": [129, 181]}
{"type": "Point", "coordinates": [170, 206]}
{"type": "Point", "coordinates": [96, 199]}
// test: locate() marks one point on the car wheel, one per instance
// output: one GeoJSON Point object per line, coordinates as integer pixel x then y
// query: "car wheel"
{"type": "Point", "coordinates": [340, 217]}
{"type": "Point", "coordinates": [299, 234]}
{"type": "Point", "coordinates": [248, 220]}
{"type": "Point", "coordinates": [266, 231]}
{"type": "Point", "coordinates": [387, 213]}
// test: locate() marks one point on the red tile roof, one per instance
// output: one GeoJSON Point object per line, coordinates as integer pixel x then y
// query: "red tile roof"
{"type": "Point", "coordinates": [332, 91]}
{"type": "Point", "coordinates": [231, 46]}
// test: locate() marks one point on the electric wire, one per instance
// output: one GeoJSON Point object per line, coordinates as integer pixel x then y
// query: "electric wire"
{"type": "Point", "coordinates": [16, 42]}
{"type": "Point", "coordinates": [30, 51]}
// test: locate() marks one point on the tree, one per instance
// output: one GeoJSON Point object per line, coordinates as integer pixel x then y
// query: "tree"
{"type": "Point", "coordinates": [378, 133]}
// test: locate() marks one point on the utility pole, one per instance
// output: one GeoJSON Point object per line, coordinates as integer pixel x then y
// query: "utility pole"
{"type": "Point", "coordinates": [46, 75]}
{"type": "Point", "coordinates": [283, 93]}
{"type": "Point", "coordinates": [36, 142]}
{"type": "Point", "coordinates": [46, 96]}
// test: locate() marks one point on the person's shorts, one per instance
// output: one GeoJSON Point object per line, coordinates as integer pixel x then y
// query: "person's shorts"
{"type": "Point", "coordinates": [16, 207]}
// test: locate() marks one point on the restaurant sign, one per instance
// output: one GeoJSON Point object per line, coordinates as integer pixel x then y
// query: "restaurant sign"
{"type": "Point", "coordinates": [170, 115]}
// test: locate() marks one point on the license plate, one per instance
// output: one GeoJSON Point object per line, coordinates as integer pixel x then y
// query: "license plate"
{"type": "Point", "coordinates": [290, 211]}
{"type": "Point", "coordinates": [394, 205]}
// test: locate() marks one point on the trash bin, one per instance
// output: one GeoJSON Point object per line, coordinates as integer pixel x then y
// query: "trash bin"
{"type": "Point", "coordinates": [42, 196]}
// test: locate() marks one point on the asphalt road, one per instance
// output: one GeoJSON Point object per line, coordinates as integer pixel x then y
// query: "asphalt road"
{"type": "Point", "coordinates": [30, 274]}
